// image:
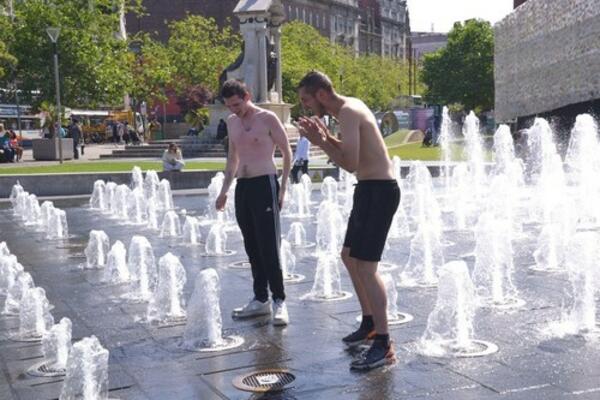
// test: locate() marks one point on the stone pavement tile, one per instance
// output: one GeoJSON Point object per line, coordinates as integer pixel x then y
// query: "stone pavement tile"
{"type": "Point", "coordinates": [6, 392]}
{"type": "Point", "coordinates": [504, 379]}
{"type": "Point", "coordinates": [34, 388]}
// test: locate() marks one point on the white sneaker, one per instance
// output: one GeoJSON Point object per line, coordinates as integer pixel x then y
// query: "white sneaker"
{"type": "Point", "coordinates": [280, 313]}
{"type": "Point", "coordinates": [254, 308]}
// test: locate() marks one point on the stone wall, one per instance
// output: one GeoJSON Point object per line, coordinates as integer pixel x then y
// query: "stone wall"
{"type": "Point", "coordinates": [547, 56]}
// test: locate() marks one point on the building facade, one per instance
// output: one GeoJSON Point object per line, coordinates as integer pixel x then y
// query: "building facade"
{"type": "Point", "coordinates": [547, 61]}
{"type": "Point", "coordinates": [368, 26]}
{"type": "Point", "coordinates": [427, 42]}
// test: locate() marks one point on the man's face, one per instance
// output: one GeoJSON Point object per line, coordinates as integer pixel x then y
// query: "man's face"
{"type": "Point", "coordinates": [310, 102]}
{"type": "Point", "coordinates": [237, 105]}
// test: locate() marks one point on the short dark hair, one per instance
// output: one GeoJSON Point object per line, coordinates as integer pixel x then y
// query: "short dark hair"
{"type": "Point", "coordinates": [315, 80]}
{"type": "Point", "coordinates": [233, 87]}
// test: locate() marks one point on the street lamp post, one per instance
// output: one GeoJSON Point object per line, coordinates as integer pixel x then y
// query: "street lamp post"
{"type": "Point", "coordinates": [53, 34]}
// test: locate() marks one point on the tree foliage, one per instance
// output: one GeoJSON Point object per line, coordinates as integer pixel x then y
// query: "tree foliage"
{"type": "Point", "coordinates": [152, 69]}
{"type": "Point", "coordinates": [463, 71]}
{"type": "Point", "coordinates": [7, 60]}
{"type": "Point", "coordinates": [93, 60]}
{"type": "Point", "coordinates": [374, 79]}
{"type": "Point", "coordinates": [200, 51]}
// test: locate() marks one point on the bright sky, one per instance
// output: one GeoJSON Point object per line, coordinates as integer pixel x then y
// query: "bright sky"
{"type": "Point", "coordinates": [443, 13]}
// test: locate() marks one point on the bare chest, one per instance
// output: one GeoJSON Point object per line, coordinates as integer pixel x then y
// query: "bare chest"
{"type": "Point", "coordinates": [255, 137]}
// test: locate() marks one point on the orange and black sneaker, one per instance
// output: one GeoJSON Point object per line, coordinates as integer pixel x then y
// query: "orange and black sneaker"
{"type": "Point", "coordinates": [378, 355]}
{"type": "Point", "coordinates": [360, 336]}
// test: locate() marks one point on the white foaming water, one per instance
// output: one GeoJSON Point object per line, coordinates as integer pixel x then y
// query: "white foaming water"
{"type": "Point", "coordinates": [299, 206]}
{"type": "Point", "coordinates": [546, 170]}
{"type": "Point", "coordinates": [137, 207]}
{"type": "Point", "coordinates": [98, 201]}
{"type": "Point", "coordinates": [142, 268]}
{"type": "Point", "coordinates": [214, 188]}
{"type": "Point", "coordinates": [97, 249]}
{"type": "Point", "coordinates": [204, 328]}
{"type": "Point", "coordinates": [583, 162]}
{"type": "Point", "coordinates": [327, 284]}
{"type": "Point", "coordinates": [4, 251]}
{"type": "Point", "coordinates": [57, 225]}
{"type": "Point", "coordinates": [583, 257]}
{"type": "Point", "coordinates": [23, 281]}
{"type": "Point", "coordinates": [109, 194]}
{"type": "Point", "coordinates": [137, 179]}
{"type": "Point", "coordinates": [494, 268]}
{"type": "Point", "coordinates": [14, 193]}
{"type": "Point", "coordinates": [34, 314]}
{"type": "Point", "coordinates": [288, 259]}
{"type": "Point", "coordinates": [474, 152]}
{"type": "Point", "coordinates": [329, 189]}
{"type": "Point", "coordinates": [165, 197]}
{"type": "Point", "coordinates": [33, 215]}
{"type": "Point", "coordinates": [87, 372]}
{"type": "Point", "coordinates": [425, 258]}
{"type": "Point", "coordinates": [444, 140]}
{"type": "Point", "coordinates": [166, 303]}
{"type": "Point", "coordinates": [330, 223]}
{"type": "Point", "coordinates": [191, 230]}
{"type": "Point", "coordinates": [9, 269]}
{"type": "Point", "coordinates": [505, 161]}
{"type": "Point", "coordinates": [56, 345]}
{"type": "Point", "coordinates": [151, 182]}
{"type": "Point", "coordinates": [152, 214]}
{"type": "Point", "coordinates": [461, 203]}
{"type": "Point", "coordinates": [216, 241]}
{"type": "Point", "coordinates": [450, 324]}
{"type": "Point", "coordinates": [297, 235]}
{"type": "Point", "coordinates": [171, 226]}
{"type": "Point", "coordinates": [116, 270]}
{"type": "Point", "coordinates": [307, 183]}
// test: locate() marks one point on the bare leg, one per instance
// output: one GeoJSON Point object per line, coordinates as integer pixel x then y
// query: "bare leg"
{"type": "Point", "coordinates": [352, 267]}
{"type": "Point", "coordinates": [375, 293]}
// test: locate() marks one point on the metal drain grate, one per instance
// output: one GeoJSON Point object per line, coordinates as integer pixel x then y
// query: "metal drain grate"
{"type": "Point", "coordinates": [264, 381]}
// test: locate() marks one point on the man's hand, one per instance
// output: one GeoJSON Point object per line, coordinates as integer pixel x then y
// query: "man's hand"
{"type": "Point", "coordinates": [221, 201]}
{"type": "Point", "coordinates": [313, 129]}
{"type": "Point", "coordinates": [281, 197]}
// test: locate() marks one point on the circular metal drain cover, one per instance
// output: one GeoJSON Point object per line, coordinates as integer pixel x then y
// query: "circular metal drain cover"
{"type": "Point", "coordinates": [264, 381]}
{"type": "Point", "coordinates": [44, 370]}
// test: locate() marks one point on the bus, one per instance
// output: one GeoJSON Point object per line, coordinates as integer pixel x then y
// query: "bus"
{"type": "Point", "coordinates": [31, 124]}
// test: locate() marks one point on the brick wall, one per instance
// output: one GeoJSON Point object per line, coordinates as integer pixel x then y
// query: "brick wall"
{"type": "Point", "coordinates": [161, 11]}
{"type": "Point", "coordinates": [547, 57]}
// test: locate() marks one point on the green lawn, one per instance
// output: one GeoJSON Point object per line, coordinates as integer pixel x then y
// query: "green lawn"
{"type": "Point", "coordinates": [105, 166]}
{"type": "Point", "coordinates": [397, 138]}
{"type": "Point", "coordinates": [414, 151]}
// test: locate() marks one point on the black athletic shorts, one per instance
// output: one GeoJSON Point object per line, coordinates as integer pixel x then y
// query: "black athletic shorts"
{"type": "Point", "coordinates": [375, 203]}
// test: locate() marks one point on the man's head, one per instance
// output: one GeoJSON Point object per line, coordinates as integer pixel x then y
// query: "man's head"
{"type": "Point", "coordinates": [1, 127]}
{"type": "Point", "coordinates": [172, 147]}
{"type": "Point", "coordinates": [314, 90]}
{"type": "Point", "coordinates": [236, 96]}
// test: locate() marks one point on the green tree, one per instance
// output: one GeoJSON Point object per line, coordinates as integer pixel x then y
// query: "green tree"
{"type": "Point", "coordinates": [200, 51]}
{"type": "Point", "coordinates": [152, 69]}
{"type": "Point", "coordinates": [375, 80]}
{"type": "Point", "coordinates": [93, 61]}
{"type": "Point", "coordinates": [463, 71]}
{"type": "Point", "coordinates": [7, 60]}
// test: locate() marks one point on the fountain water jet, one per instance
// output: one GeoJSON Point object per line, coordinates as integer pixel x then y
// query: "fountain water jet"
{"type": "Point", "coordinates": [87, 372]}
{"type": "Point", "coordinates": [166, 306]}
{"type": "Point", "coordinates": [449, 331]}
{"type": "Point", "coordinates": [96, 250]}
{"type": "Point", "coordinates": [204, 328]}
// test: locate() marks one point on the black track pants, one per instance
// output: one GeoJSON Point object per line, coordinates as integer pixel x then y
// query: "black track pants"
{"type": "Point", "coordinates": [257, 214]}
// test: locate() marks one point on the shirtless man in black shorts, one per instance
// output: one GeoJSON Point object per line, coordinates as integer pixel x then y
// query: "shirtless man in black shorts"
{"type": "Point", "coordinates": [361, 150]}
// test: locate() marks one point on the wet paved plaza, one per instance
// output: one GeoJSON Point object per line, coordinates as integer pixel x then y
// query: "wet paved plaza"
{"type": "Point", "coordinates": [146, 362]}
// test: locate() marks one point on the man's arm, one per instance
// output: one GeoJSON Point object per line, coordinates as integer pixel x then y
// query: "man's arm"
{"type": "Point", "coordinates": [343, 152]}
{"type": "Point", "coordinates": [281, 140]}
{"type": "Point", "coordinates": [230, 171]}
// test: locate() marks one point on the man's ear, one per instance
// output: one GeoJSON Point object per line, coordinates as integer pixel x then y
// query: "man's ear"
{"type": "Point", "coordinates": [247, 96]}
